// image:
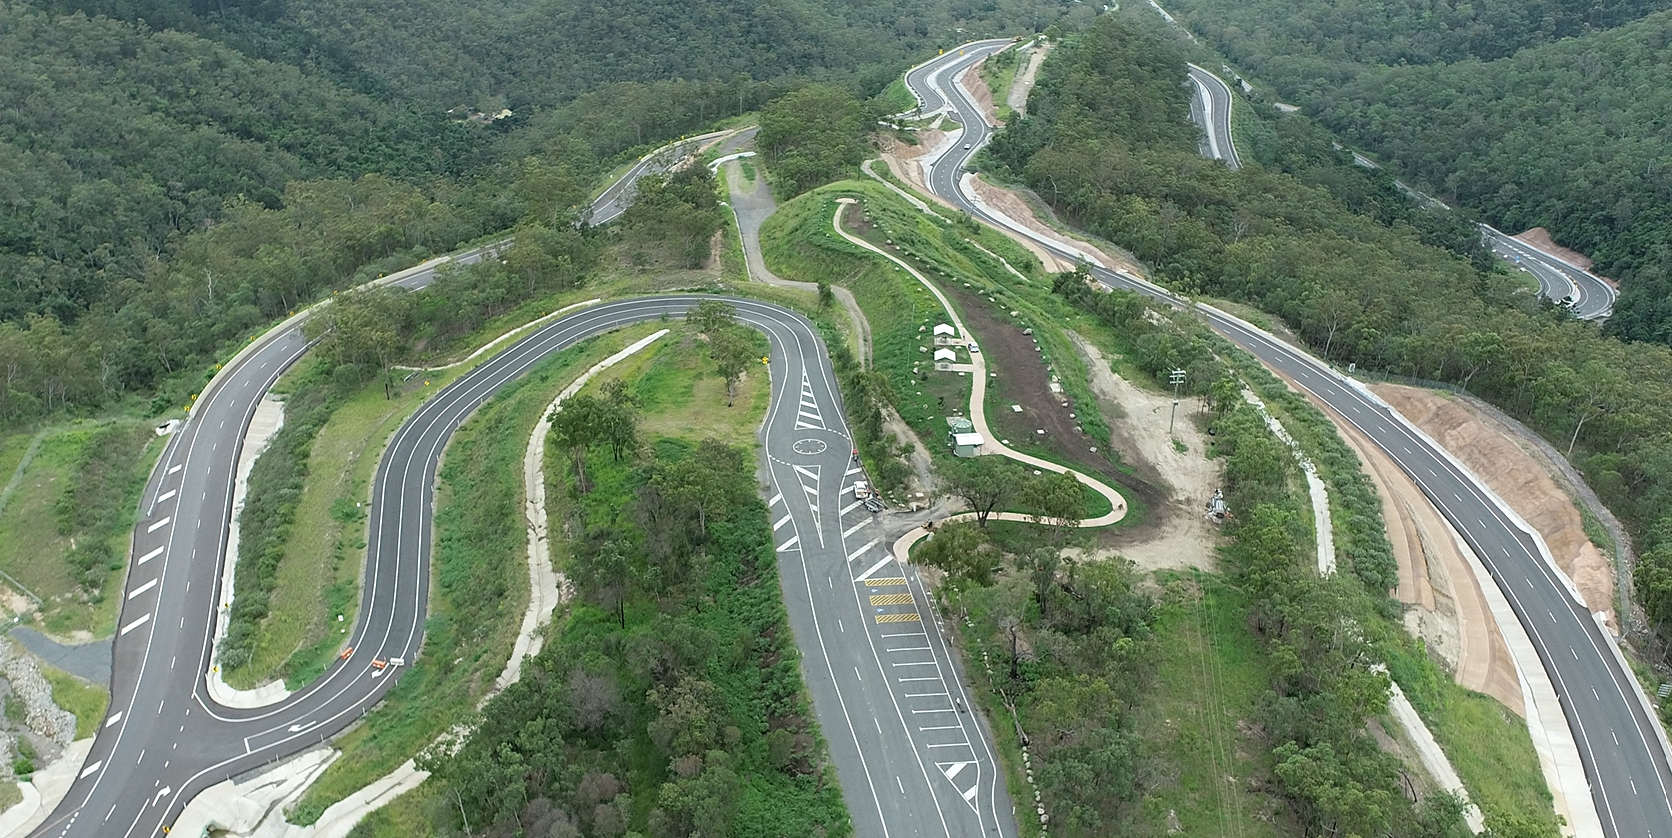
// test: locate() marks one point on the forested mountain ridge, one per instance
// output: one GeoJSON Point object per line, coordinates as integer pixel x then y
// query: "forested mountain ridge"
{"type": "Point", "coordinates": [1569, 133]}
{"type": "Point", "coordinates": [173, 174]}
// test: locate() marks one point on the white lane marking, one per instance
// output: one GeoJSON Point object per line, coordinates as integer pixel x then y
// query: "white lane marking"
{"type": "Point", "coordinates": [874, 568]}
{"type": "Point", "coordinates": [861, 551]}
{"type": "Point", "coordinates": [781, 522]}
{"type": "Point", "coordinates": [159, 525]}
{"type": "Point", "coordinates": [166, 495]}
{"type": "Point", "coordinates": [174, 468]}
{"type": "Point", "coordinates": [857, 675]}
{"type": "Point", "coordinates": [855, 528]}
{"type": "Point", "coordinates": [951, 745]}
{"type": "Point", "coordinates": [942, 727]}
{"type": "Point", "coordinates": [775, 499]}
{"type": "Point", "coordinates": [789, 545]}
{"type": "Point", "coordinates": [114, 718]}
{"type": "Point", "coordinates": [906, 634]}
{"type": "Point", "coordinates": [900, 783]}
{"type": "Point", "coordinates": [911, 649]}
{"type": "Point", "coordinates": [153, 554]}
{"type": "Point", "coordinates": [142, 589]}
{"type": "Point", "coordinates": [849, 508]}
{"type": "Point", "coordinates": [952, 771]}
{"type": "Point", "coordinates": [90, 769]}
{"type": "Point", "coordinates": [913, 663]}
{"type": "Point", "coordinates": [136, 624]}
{"type": "Point", "coordinates": [947, 710]}
{"type": "Point", "coordinates": [903, 680]}
{"type": "Point", "coordinates": [853, 471]}
{"type": "Point", "coordinates": [923, 695]}
{"type": "Point", "coordinates": [969, 795]}
{"type": "Point", "coordinates": [811, 474]}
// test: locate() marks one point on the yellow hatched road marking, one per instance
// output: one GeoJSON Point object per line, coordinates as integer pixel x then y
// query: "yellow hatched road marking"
{"type": "Point", "coordinates": [886, 581]}
{"type": "Point", "coordinates": [899, 618]}
{"type": "Point", "coordinates": [891, 599]}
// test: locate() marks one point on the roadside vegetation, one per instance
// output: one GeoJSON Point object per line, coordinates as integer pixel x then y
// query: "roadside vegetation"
{"type": "Point", "coordinates": [668, 697]}
{"type": "Point", "coordinates": [1361, 273]}
{"type": "Point", "coordinates": [66, 522]}
{"type": "Point", "coordinates": [87, 702]}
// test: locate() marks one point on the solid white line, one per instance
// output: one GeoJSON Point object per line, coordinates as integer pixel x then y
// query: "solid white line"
{"type": "Point", "coordinates": [874, 568]}
{"type": "Point", "coordinates": [853, 471]}
{"type": "Point", "coordinates": [947, 710]}
{"type": "Point", "coordinates": [906, 634]}
{"type": "Point", "coordinates": [849, 508]}
{"type": "Point", "coordinates": [90, 769]}
{"type": "Point", "coordinates": [142, 589]}
{"type": "Point", "coordinates": [855, 528]}
{"type": "Point", "coordinates": [159, 525]}
{"type": "Point", "coordinates": [812, 474]}
{"type": "Point", "coordinates": [942, 727]}
{"type": "Point", "coordinates": [923, 695]}
{"type": "Point", "coordinates": [911, 649]}
{"type": "Point", "coordinates": [153, 554]}
{"type": "Point", "coordinates": [903, 680]}
{"type": "Point", "coordinates": [789, 545]}
{"type": "Point", "coordinates": [136, 624]}
{"type": "Point", "coordinates": [952, 744]}
{"type": "Point", "coordinates": [861, 551]}
{"type": "Point", "coordinates": [913, 663]}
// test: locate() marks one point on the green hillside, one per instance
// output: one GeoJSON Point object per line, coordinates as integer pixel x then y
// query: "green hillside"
{"type": "Point", "coordinates": [1533, 114]}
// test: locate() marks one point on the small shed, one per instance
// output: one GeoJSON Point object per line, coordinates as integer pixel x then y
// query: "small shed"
{"type": "Point", "coordinates": [967, 445]}
{"type": "Point", "coordinates": [945, 354]}
{"type": "Point", "coordinates": [945, 330]}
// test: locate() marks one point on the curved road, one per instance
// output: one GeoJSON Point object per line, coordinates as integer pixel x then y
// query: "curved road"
{"type": "Point", "coordinates": [162, 726]}
{"type": "Point", "coordinates": [1616, 734]}
{"type": "Point", "coordinates": [1211, 109]}
{"type": "Point", "coordinates": [1586, 295]}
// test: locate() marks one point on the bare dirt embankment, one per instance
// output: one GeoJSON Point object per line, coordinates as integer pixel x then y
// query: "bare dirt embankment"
{"type": "Point", "coordinates": [1494, 454]}
{"type": "Point", "coordinates": [1176, 532]}
{"type": "Point", "coordinates": [1447, 607]}
{"type": "Point", "coordinates": [983, 95]}
{"type": "Point", "coordinates": [1540, 238]}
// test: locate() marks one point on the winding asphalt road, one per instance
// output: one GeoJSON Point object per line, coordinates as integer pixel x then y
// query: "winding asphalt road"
{"type": "Point", "coordinates": [162, 725]}
{"type": "Point", "coordinates": [1211, 109]}
{"type": "Point", "coordinates": [1618, 739]}
{"type": "Point", "coordinates": [1584, 293]}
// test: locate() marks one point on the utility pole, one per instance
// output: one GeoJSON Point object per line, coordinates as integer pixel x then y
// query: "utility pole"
{"type": "Point", "coordinates": [1177, 378]}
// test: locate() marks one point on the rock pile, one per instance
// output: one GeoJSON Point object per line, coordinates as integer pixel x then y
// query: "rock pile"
{"type": "Point", "coordinates": [42, 716]}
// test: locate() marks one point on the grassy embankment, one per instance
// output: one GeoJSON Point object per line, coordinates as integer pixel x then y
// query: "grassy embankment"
{"type": "Point", "coordinates": [479, 582]}
{"type": "Point", "coordinates": [999, 71]}
{"type": "Point", "coordinates": [682, 400]}
{"type": "Point", "coordinates": [65, 527]}
{"type": "Point", "coordinates": [87, 702]}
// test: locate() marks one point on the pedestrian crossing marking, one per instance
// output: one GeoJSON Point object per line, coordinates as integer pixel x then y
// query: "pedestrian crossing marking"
{"type": "Point", "coordinates": [913, 617]}
{"type": "Point", "coordinates": [891, 599]}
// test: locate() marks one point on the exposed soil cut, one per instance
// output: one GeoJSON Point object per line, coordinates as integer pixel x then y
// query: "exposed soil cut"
{"type": "Point", "coordinates": [1019, 89]}
{"type": "Point", "coordinates": [1494, 455]}
{"type": "Point", "coordinates": [1447, 609]}
{"type": "Point", "coordinates": [1540, 238]}
{"type": "Point", "coordinates": [983, 95]}
{"type": "Point", "coordinates": [1022, 212]}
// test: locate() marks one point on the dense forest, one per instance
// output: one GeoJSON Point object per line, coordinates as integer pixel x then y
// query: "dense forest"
{"type": "Point", "coordinates": [1299, 239]}
{"type": "Point", "coordinates": [1545, 113]}
{"type": "Point", "coordinates": [177, 174]}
